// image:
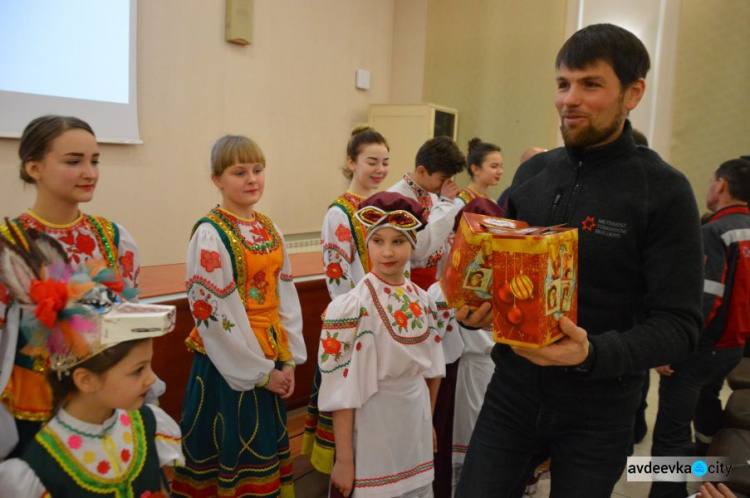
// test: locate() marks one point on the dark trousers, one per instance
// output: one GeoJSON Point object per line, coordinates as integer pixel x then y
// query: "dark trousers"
{"type": "Point", "coordinates": [443, 422]}
{"type": "Point", "coordinates": [691, 392]}
{"type": "Point", "coordinates": [586, 425]}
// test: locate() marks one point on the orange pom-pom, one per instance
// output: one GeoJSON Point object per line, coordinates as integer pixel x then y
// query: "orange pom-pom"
{"type": "Point", "coordinates": [50, 298]}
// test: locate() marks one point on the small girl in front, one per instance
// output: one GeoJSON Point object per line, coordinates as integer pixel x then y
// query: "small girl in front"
{"type": "Point", "coordinates": [101, 440]}
{"type": "Point", "coordinates": [246, 343]}
{"type": "Point", "coordinates": [381, 361]}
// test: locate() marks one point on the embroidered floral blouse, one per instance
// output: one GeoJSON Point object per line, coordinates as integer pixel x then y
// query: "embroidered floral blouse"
{"type": "Point", "coordinates": [108, 452]}
{"type": "Point", "coordinates": [377, 332]}
{"type": "Point", "coordinates": [84, 239]}
{"type": "Point", "coordinates": [453, 344]}
{"type": "Point", "coordinates": [342, 238]}
{"type": "Point", "coordinates": [218, 309]}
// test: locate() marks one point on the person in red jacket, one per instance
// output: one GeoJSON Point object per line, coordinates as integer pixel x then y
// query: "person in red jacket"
{"type": "Point", "coordinates": [689, 390]}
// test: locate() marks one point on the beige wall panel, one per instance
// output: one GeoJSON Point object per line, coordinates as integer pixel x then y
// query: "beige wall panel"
{"type": "Point", "coordinates": [409, 46]}
{"type": "Point", "coordinates": [711, 121]}
{"type": "Point", "coordinates": [292, 90]}
{"type": "Point", "coordinates": [493, 60]}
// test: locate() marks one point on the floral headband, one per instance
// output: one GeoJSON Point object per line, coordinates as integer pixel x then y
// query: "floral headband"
{"type": "Point", "coordinates": [374, 218]}
{"type": "Point", "coordinates": [71, 313]}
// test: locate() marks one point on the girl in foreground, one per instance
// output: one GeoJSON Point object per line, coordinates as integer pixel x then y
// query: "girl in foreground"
{"type": "Point", "coordinates": [381, 362]}
{"type": "Point", "coordinates": [247, 340]}
{"type": "Point", "coordinates": [102, 439]}
{"type": "Point", "coordinates": [345, 261]}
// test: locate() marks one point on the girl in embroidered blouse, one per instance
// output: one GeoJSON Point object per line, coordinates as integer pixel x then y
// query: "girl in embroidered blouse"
{"type": "Point", "coordinates": [60, 157]}
{"type": "Point", "coordinates": [342, 236]}
{"type": "Point", "coordinates": [345, 263]}
{"type": "Point", "coordinates": [485, 167]}
{"type": "Point", "coordinates": [381, 362]}
{"type": "Point", "coordinates": [101, 439]}
{"type": "Point", "coordinates": [247, 340]}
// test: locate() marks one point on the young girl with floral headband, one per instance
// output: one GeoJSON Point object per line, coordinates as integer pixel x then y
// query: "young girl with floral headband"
{"type": "Point", "coordinates": [60, 157]}
{"type": "Point", "coordinates": [345, 263]}
{"type": "Point", "coordinates": [101, 439]}
{"type": "Point", "coordinates": [381, 362]}
{"type": "Point", "coordinates": [247, 340]}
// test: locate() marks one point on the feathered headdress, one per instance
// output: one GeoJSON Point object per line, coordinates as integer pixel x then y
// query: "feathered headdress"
{"type": "Point", "coordinates": [71, 312]}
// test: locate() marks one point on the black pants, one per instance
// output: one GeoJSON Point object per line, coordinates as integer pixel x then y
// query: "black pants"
{"type": "Point", "coordinates": [690, 393]}
{"type": "Point", "coordinates": [586, 425]}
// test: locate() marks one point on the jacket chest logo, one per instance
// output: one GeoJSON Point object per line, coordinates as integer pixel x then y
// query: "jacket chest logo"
{"type": "Point", "coordinates": [605, 228]}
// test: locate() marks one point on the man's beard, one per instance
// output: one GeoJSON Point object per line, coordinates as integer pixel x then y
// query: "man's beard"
{"type": "Point", "coordinates": [590, 136]}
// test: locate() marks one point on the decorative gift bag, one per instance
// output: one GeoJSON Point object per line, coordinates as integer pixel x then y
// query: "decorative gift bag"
{"type": "Point", "coordinates": [528, 274]}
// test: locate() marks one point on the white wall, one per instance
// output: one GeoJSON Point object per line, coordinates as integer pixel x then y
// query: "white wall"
{"type": "Point", "coordinates": [292, 90]}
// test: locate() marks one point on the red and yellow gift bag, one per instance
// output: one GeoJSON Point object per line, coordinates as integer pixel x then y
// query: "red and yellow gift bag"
{"type": "Point", "coordinates": [529, 275]}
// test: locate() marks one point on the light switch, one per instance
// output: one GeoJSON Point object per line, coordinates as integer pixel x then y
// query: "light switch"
{"type": "Point", "coordinates": [362, 79]}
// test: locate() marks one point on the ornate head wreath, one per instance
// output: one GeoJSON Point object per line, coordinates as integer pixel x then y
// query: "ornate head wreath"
{"type": "Point", "coordinates": [392, 210]}
{"type": "Point", "coordinates": [72, 313]}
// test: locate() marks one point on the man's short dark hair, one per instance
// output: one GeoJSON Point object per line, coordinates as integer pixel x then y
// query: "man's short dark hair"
{"type": "Point", "coordinates": [441, 155]}
{"type": "Point", "coordinates": [736, 172]}
{"type": "Point", "coordinates": [620, 48]}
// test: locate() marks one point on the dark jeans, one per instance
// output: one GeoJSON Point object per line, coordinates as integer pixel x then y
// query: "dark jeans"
{"type": "Point", "coordinates": [585, 424]}
{"type": "Point", "coordinates": [691, 392]}
{"type": "Point", "coordinates": [443, 422]}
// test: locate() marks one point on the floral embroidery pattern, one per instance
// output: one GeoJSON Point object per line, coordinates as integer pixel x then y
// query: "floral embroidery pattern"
{"type": "Point", "coordinates": [210, 260]}
{"type": "Point", "coordinates": [103, 467]}
{"type": "Point", "coordinates": [75, 442]}
{"type": "Point", "coordinates": [333, 347]}
{"type": "Point", "coordinates": [442, 314]}
{"type": "Point", "coordinates": [258, 287]}
{"type": "Point", "coordinates": [423, 197]}
{"type": "Point", "coordinates": [125, 455]}
{"type": "Point", "coordinates": [343, 233]}
{"type": "Point", "coordinates": [203, 311]}
{"type": "Point", "coordinates": [226, 324]}
{"type": "Point", "coordinates": [335, 344]}
{"type": "Point", "coordinates": [76, 246]}
{"type": "Point", "coordinates": [209, 286]}
{"type": "Point", "coordinates": [127, 264]}
{"type": "Point", "coordinates": [335, 272]}
{"type": "Point", "coordinates": [404, 311]}
{"type": "Point", "coordinates": [403, 300]}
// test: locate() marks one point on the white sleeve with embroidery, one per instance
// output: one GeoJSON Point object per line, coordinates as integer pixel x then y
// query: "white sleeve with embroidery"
{"type": "Point", "coordinates": [129, 263]}
{"type": "Point", "coordinates": [347, 356]}
{"type": "Point", "coordinates": [17, 479]}
{"type": "Point", "coordinates": [128, 258]}
{"type": "Point", "coordinates": [437, 357]}
{"type": "Point", "coordinates": [168, 438]}
{"type": "Point", "coordinates": [220, 315]}
{"type": "Point", "coordinates": [290, 309]}
{"type": "Point", "coordinates": [453, 344]}
{"type": "Point", "coordinates": [439, 226]}
{"type": "Point", "coordinates": [342, 266]}
{"type": "Point", "coordinates": [8, 341]}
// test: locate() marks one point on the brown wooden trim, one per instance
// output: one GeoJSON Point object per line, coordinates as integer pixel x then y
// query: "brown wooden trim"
{"type": "Point", "coordinates": [165, 280]}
